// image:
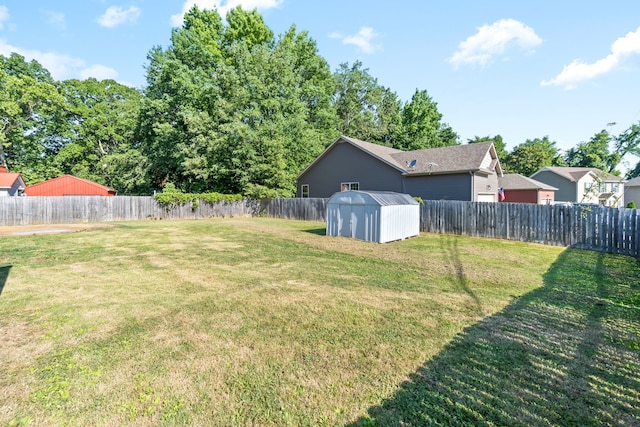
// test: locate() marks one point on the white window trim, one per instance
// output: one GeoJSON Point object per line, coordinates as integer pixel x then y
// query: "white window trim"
{"type": "Point", "coordinates": [349, 186]}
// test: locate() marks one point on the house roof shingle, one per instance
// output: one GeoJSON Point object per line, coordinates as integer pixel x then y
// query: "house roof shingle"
{"type": "Point", "coordinates": [455, 158]}
{"type": "Point", "coordinates": [573, 174]}
{"type": "Point", "coordinates": [442, 160]}
{"type": "Point", "coordinates": [380, 151]}
{"type": "Point", "coordinates": [635, 182]}
{"type": "Point", "coordinates": [515, 181]}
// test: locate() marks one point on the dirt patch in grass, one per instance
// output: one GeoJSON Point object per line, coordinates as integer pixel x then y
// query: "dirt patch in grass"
{"type": "Point", "coordinates": [19, 230]}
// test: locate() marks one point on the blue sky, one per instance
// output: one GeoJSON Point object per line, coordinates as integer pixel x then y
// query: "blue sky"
{"type": "Point", "coordinates": [521, 69]}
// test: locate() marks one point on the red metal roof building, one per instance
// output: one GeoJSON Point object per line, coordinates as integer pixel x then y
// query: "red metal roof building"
{"type": "Point", "coordinates": [69, 185]}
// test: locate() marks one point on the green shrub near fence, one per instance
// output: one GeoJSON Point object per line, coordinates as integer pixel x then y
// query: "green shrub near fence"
{"type": "Point", "coordinates": [171, 197]}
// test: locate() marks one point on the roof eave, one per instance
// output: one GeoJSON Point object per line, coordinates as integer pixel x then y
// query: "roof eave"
{"type": "Point", "coordinates": [454, 172]}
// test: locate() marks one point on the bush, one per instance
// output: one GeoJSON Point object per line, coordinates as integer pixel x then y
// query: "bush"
{"type": "Point", "coordinates": [631, 204]}
{"type": "Point", "coordinates": [171, 196]}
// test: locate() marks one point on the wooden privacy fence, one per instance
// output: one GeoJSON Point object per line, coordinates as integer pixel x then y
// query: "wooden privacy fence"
{"type": "Point", "coordinates": [72, 209]}
{"type": "Point", "coordinates": [597, 228]}
{"type": "Point", "coordinates": [613, 230]}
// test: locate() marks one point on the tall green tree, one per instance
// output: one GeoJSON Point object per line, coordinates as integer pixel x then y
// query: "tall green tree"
{"type": "Point", "coordinates": [533, 155]}
{"type": "Point", "coordinates": [247, 27]}
{"type": "Point", "coordinates": [366, 110]}
{"type": "Point", "coordinates": [102, 119]}
{"type": "Point", "coordinates": [628, 143]}
{"type": "Point", "coordinates": [594, 153]}
{"type": "Point", "coordinates": [497, 142]}
{"type": "Point", "coordinates": [422, 126]}
{"type": "Point", "coordinates": [177, 126]}
{"type": "Point", "coordinates": [32, 115]}
{"type": "Point", "coordinates": [245, 122]}
{"type": "Point", "coordinates": [198, 43]}
{"type": "Point", "coordinates": [634, 172]}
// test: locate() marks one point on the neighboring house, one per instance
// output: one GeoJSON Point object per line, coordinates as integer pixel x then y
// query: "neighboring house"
{"type": "Point", "coordinates": [520, 189]}
{"type": "Point", "coordinates": [69, 185]}
{"type": "Point", "coordinates": [460, 172]}
{"type": "Point", "coordinates": [632, 191]}
{"type": "Point", "coordinates": [11, 184]}
{"type": "Point", "coordinates": [583, 185]}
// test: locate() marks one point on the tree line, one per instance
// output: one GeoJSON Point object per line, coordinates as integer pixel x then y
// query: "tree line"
{"type": "Point", "coordinates": [230, 107]}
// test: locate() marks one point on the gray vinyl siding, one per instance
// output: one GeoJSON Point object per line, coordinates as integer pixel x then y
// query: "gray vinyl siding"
{"type": "Point", "coordinates": [13, 190]}
{"type": "Point", "coordinates": [485, 184]}
{"type": "Point", "coordinates": [632, 193]}
{"type": "Point", "coordinates": [566, 189]}
{"type": "Point", "coordinates": [346, 163]}
{"type": "Point", "coordinates": [439, 187]}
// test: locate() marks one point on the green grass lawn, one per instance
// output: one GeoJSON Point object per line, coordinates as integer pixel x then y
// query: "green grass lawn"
{"type": "Point", "coordinates": [270, 322]}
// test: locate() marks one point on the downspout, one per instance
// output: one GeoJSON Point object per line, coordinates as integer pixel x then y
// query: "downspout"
{"type": "Point", "coordinates": [578, 198]}
{"type": "Point", "coordinates": [473, 186]}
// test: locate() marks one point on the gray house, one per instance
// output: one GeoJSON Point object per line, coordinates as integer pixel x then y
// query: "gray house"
{"type": "Point", "coordinates": [583, 185]}
{"type": "Point", "coordinates": [460, 172]}
{"type": "Point", "coordinates": [632, 191]}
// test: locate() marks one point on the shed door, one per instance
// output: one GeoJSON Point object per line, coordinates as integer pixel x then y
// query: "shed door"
{"type": "Point", "coordinates": [358, 223]}
{"type": "Point", "coordinates": [344, 221]}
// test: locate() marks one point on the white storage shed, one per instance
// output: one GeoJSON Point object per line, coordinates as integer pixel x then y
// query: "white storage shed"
{"type": "Point", "coordinates": [373, 216]}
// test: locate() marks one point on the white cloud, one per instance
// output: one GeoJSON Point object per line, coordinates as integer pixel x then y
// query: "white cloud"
{"type": "Point", "coordinates": [494, 40]}
{"type": "Point", "coordinates": [4, 15]}
{"type": "Point", "coordinates": [223, 6]}
{"type": "Point", "coordinates": [57, 20]}
{"type": "Point", "coordinates": [116, 15]}
{"type": "Point", "coordinates": [579, 71]}
{"type": "Point", "coordinates": [363, 39]}
{"type": "Point", "coordinates": [98, 72]}
{"type": "Point", "coordinates": [61, 67]}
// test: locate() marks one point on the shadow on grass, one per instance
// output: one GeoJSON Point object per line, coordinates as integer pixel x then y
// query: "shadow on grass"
{"type": "Point", "coordinates": [4, 275]}
{"type": "Point", "coordinates": [449, 246]}
{"type": "Point", "coordinates": [320, 231]}
{"type": "Point", "coordinates": [567, 353]}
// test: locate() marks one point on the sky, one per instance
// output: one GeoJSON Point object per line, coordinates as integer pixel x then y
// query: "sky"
{"type": "Point", "coordinates": [520, 69]}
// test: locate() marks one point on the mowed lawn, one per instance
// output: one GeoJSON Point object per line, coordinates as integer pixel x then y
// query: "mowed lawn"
{"type": "Point", "coordinates": [265, 322]}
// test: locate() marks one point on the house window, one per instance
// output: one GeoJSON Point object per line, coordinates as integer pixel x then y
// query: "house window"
{"type": "Point", "coordinates": [615, 187]}
{"type": "Point", "coordinates": [348, 186]}
{"type": "Point", "coordinates": [305, 190]}
{"type": "Point", "coordinates": [602, 188]}
{"type": "Point", "coordinates": [587, 186]}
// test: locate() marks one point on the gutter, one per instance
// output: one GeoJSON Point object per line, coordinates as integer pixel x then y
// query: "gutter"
{"type": "Point", "coordinates": [448, 172]}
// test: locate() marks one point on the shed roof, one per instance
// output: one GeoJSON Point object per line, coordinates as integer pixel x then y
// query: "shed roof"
{"type": "Point", "coordinates": [380, 198]}
{"type": "Point", "coordinates": [515, 181]}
